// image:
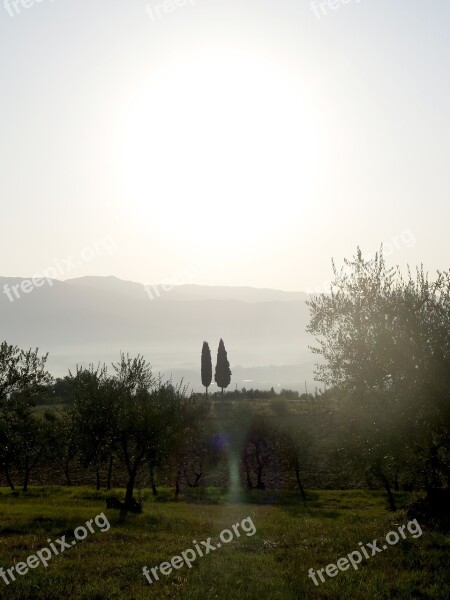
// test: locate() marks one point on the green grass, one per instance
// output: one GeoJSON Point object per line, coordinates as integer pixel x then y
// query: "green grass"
{"type": "Point", "coordinates": [290, 538]}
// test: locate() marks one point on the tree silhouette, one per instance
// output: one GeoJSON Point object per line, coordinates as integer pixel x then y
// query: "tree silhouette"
{"type": "Point", "coordinates": [206, 367]}
{"type": "Point", "coordinates": [223, 374]}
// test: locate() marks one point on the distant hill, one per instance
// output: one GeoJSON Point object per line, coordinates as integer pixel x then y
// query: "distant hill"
{"type": "Point", "coordinates": [90, 319]}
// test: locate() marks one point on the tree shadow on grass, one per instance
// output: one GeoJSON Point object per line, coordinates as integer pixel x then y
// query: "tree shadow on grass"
{"type": "Point", "coordinates": [44, 524]}
{"type": "Point", "coordinates": [310, 511]}
{"type": "Point", "coordinates": [256, 497]}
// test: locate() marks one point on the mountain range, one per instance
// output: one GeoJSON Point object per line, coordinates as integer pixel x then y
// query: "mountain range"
{"type": "Point", "coordinates": [91, 319]}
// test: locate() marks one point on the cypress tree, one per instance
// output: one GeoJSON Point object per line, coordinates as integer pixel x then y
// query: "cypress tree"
{"type": "Point", "coordinates": [206, 366]}
{"type": "Point", "coordinates": [223, 374]}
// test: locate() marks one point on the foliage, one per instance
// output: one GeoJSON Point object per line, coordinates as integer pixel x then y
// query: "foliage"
{"type": "Point", "coordinates": [386, 344]}
{"type": "Point", "coordinates": [223, 373]}
{"type": "Point", "coordinates": [206, 369]}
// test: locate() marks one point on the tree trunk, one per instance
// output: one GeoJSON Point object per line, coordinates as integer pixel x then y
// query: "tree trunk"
{"type": "Point", "coordinates": [389, 493]}
{"type": "Point", "coordinates": [177, 485]}
{"type": "Point", "coordinates": [396, 484]}
{"type": "Point", "coordinates": [195, 484]}
{"type": "Point", "coordinates": [67, 473]}
{"type": "Point", "coordinates": [152, 481]}
{"type": "Point", "coordinates": [297, 475]}
{"type": "Point", "coordinates": [378, 472]}
{"type": "Point", "coordinates": [8, 478]}
{"type": "Point", "coordinates": [98, 478]}
{"type": "Point", "coordinates": [108, 483]}
{"type": "Point", "coordinates": [27, 476]}
{"type": "Point", "coordinates": [130, 488]}
{"type": "Point", "coordinates": [260, 485]}
{"type": "Point", "coordinates": [247, 472]}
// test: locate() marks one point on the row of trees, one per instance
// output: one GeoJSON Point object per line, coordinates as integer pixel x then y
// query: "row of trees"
{"type": "Point", "coordinates": [129, 422]}
{"type": "Point", "coordinates": [127, 415]}
{"type": "Point", "coordinates": [222, 375]}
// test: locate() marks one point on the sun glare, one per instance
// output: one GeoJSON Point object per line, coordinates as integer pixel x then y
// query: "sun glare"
{"type": "Point", "coordinates": [219, 143]}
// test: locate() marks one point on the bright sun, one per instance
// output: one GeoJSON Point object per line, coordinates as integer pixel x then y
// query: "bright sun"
{"type": "Point", "coordinates": [220, 143]}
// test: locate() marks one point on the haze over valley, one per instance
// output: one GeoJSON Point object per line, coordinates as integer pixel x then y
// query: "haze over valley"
{"type": "Point", "coordinates": [90, 319]}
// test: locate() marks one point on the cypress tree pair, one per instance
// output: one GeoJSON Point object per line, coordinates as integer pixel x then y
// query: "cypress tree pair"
{"type": "Point", "coordinates": [223, 373]}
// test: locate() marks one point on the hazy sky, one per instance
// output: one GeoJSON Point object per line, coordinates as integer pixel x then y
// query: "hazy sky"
{"type": "Point", "coordinates": [248, 141]}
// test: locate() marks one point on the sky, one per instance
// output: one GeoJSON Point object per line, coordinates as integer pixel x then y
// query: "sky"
{"type": "Point", "coordinates": [247, 141]}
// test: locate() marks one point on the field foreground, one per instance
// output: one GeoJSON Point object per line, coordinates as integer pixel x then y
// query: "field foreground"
{"type": "Point", "coordinates": [290, 538]}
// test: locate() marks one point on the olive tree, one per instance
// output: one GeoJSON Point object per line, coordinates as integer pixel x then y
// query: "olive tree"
{"type": "Point", "coordinates": [385, 341]}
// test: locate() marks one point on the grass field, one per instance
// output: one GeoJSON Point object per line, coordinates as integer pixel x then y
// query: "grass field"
{"type": "Point", "coordinates": [290, 538]}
